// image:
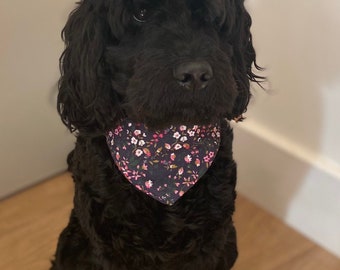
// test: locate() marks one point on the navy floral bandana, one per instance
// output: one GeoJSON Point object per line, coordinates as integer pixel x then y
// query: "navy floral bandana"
{"type": "Point", "coordinates": [164, 164]}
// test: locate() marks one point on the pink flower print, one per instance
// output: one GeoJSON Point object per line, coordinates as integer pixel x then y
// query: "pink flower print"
{"type": "Point", "coordinates": [134, 141]}
{"type": "Point", "coordinates": [167, 146]}
{"type": "Point", "coordinates": [173, 156]}
{"type": "Point", "coordinates": [206, 159]}
{"type": "Point", "coordinates": [135, 175]}
{"type": "Point", "coordinates": [197, 162]}
{"type": "Point", "coordinates": [180, 171]}
{"type": "Point", "coordinates": [137, 132]}
{"type": "Point", "coordinates": [145, 167]}
{"type": "Point", "coordinates": [211, 154]}
{"type": "Point", "coordinates": [181, 193]}
{"type": "Point", "coordinates": [177, 135]}
{"type": "Point", "coordinates": [149, 184]}
{"type": "Point", "coordinates": [186, 146]}
{"type": "Point", "coordinates": [118, 130]}
{"type": "Point", "coordinates": [187, 182]}
{"type": "Point", "coordinates": [138, 152]}
{"type": "Point", "coordinates": [155, 139]}
{"type": "Point", "coordinates": [178, 146]}
{"type": "Point", "coordinates": [194, 176]}
{"type": "Point", "coordinates": [117, 156]}
{"type": "Point", "coordinates": [195, 152]}
{"type": "Point", "coordinates": [126, 173]}
{"type": "Point", "coordinates": [188, 158]}
{"type": "Point", "coordinates": [183, 128]}
{"type": "Point", "coordinates": [195, 127]}
{"type": "Point", "coordinates": [147, 152]}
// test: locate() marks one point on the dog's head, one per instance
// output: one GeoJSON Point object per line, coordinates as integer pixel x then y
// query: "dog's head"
{"type": "Point", "coordinates": [156, 61]}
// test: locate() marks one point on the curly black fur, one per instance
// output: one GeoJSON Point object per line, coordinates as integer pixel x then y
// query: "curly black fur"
{"type": "Point", "coordinates": [119, 64]}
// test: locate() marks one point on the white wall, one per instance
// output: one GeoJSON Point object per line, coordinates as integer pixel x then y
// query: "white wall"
{"type": "Point", "coordinates": [33, 142]}
{"type": "Point", "coordinates": [288, 150]}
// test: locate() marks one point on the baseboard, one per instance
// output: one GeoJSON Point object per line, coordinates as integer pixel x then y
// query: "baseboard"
{"type": "Point", "coordinates": [300, 187]}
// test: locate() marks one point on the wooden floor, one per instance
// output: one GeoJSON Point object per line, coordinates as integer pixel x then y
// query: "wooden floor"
{"type": "Point", "coordinates": [31, 221]}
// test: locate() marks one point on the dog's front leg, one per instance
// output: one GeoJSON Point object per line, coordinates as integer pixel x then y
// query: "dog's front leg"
{"type": "Point", "coordinates": [73, 250]}
{"type": "Point", "coordinates": [230, 253]}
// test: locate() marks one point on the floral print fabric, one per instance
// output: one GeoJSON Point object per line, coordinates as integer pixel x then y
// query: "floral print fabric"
{"type": "Point", "coordinates": [164, 164]}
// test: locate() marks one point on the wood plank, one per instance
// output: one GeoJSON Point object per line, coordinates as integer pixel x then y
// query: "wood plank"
{"type": "Point", "coordinates": [30, 223]}
{"type": "Point", "coordinates": [265, 243]}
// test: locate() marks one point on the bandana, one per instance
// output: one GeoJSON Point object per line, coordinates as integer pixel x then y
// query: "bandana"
{"type": "Point", "coordinates": [163, 164]}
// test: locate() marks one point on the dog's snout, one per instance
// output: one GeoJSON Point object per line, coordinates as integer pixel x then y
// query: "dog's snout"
{"type": "Point", "coordinates": [193, 75]}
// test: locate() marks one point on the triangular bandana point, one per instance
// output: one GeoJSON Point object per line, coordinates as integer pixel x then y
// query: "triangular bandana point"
{"type": "Point", "coordinates": [163, 164]}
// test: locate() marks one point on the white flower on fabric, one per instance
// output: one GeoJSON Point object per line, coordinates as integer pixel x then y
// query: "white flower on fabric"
{"type": "Point", "coordinates": [138, 152]}
{"type": "Point", "coordinates": [141, 143]}
{"type": "Point", "coordinates": [177, 135]}
{"type": "Point", "coordinates": [184, 139]}
{"type": "Point", "coordinates": [134, 141]}
{"type": "Point", "coordinates": [137, 132]}
{"type": "Point", "coordinates": [191, 133]}
{"type": "Point", "coordinates": [177, 146]}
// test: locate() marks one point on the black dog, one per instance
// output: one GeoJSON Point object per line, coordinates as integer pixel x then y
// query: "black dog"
{"type": "Point", "coordinates": [161, 63]}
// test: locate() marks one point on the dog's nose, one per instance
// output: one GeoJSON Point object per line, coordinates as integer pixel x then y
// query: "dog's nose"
{"type": "Point", "coordinates": [193, 75]}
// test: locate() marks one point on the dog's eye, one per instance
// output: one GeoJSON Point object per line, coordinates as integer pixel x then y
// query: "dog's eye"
{"type": "Point", "coordinates": [141, 15]}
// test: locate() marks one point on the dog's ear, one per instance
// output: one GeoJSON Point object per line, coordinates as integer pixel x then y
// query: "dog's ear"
{"type": "Point", "coordinates": [236, 30]}
{"type": "Point", "coordinates": [86, 100]}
